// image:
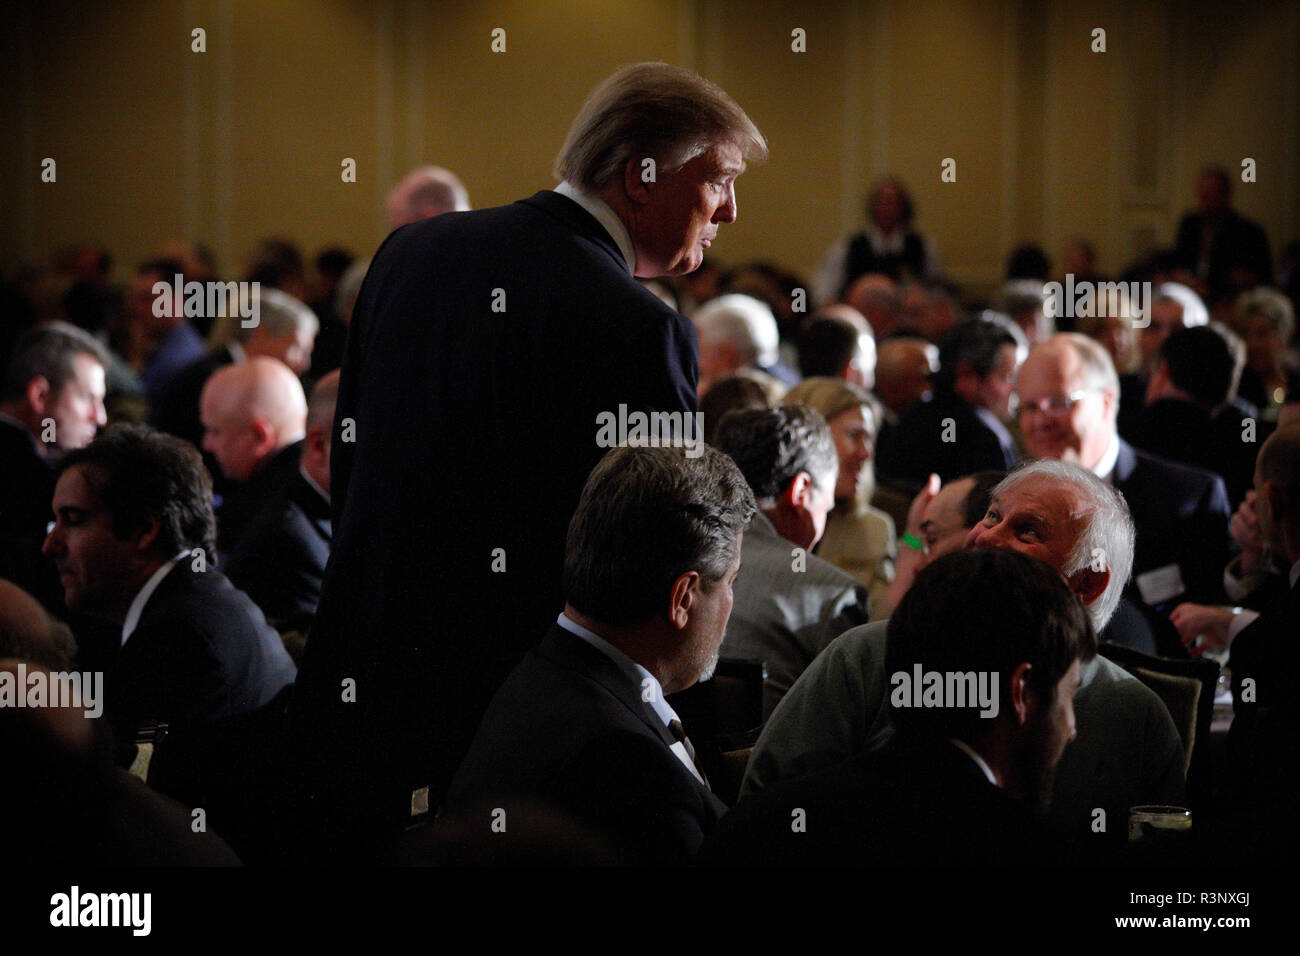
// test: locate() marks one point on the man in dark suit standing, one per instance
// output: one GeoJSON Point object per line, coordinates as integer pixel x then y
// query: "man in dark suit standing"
{"type": "Point", "coordinates": [965, 773]}
{"type": "Point", "coordinates": [1069, 394]}
{"type": "Point", "coordinates": [582, 724]}
{"type": "Point", "coordinates": [1226, 251]}
{"type": "Point", "coordinates": [483, 347]}
{"type": "Point", "coordinates": [132, 538]}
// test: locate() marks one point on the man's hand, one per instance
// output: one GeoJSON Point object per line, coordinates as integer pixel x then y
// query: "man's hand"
{"type": "Point", "coordinates": [917, 508]}
{"type": "Point", "coordinates": [1208, 623]}
{"type": "Point", "coordinates": [1245, 531]}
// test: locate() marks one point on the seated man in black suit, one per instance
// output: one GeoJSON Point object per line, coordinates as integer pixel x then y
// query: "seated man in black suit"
{"type": "Point", "coordinates": [254, 417]}
{"type": "Point", "coordinates": [959, 430]}
{"type": "Point", "coordinates": [281, 559]}
{"type": "Point", "coordinates": [51, 401]}
{"type": "Point", "coordinates": [969, 765]}
{"type": "Point", "coordinates": [581, 723]}
{"type": "Point", "coordinates": [132, 532]}
{"type": "Point", "coordinates": [1068, 401]}
{"type": "Point", "coordinates": [1264, 769]}
{"type": "Point", "coordinates": [1188, 417]}
{"type": "Point", "coordinates": [286, 330]}
{"type": "Point", "coordinates": [789, 603]}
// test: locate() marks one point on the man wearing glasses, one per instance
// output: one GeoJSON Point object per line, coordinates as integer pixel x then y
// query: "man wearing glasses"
{"type": "Point", "coordinates": [1069, 396]}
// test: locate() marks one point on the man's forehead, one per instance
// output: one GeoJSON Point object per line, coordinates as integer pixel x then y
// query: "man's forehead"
{"type": "Point", "coordinates": [75, 490]}
{"type": "Point", "coordinates": [1051, 499]}
{"type": "Point", "coordinates": [947, 504]}
{"type": "Point", "coordinates": [1052, 365]}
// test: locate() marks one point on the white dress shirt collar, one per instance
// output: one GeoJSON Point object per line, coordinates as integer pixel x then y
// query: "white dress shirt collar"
{"type": "Point", "coordinates": [603, 214]}
{"type": "Point", "coordinates": [315, 487]}
{"type": "Point", "coordinates": [1106, 464]}
{"type": "Point", "coordinates": [1295, 573]}
{"type": "Point", "coordinates": [646, 682]}
{"type": "Point", "coordinates": [969, 751]}
{"type": "Point", "coordinates": [142, 598]}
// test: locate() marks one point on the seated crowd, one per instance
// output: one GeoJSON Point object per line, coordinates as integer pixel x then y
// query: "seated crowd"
{"type": "Point", "coordinates": [899, 478]}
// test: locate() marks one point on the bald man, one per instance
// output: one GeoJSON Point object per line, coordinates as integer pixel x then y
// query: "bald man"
{"type": "Point", "coordinates": [426, 192]}
{"type": "Point", "coordinates": [254, 418]}
{"type": "Point", "coordinates": [280, 560]}
{"type": "Point", "coordinates": [903, 370]}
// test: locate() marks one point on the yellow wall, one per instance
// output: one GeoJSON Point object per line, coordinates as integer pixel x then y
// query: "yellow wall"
{"type": "Point", "coordinates": [245, 140]}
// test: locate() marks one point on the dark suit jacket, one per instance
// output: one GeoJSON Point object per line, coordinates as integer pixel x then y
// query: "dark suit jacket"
{"type": "Point", "coordinates": [241, 504]}
{"type": "Point", "coordinates": [26, 484]}
{"type": "Point", "coordinates": [1179, 430]}
{"type": "Point", "coordinates": [909, 805]}
{"type": "Point", "coordinates": [201, 654]}
{"type": "Point", "coordinates": [281, 559]}
{"type": "Point", "coordinates": [1264, 766]}
{"type": "Point", "coordinates": [569, 729]}
{"type": "Point", "coordinates": [177, 409]}
{"type": "Point", "coordinates": [916, 447]}
{"type": "Point", "coordinates": [203, 660]}
{"type": "Point", "coordinates": [475, 430]}
{"type": "Point", "coordinates": [1182, 515]}
{"type": "Point", "coordinates": [1237, 243]}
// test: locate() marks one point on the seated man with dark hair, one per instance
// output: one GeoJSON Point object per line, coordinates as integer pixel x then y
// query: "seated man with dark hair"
{"type": "Point", "coordinates": [960, 429]}
{"type": "Point", "coordinates": [789, 603]}
{"type": "Point", "coordinates": [581, 724]}
{"type": "Point", "coordinates": [132, 541]}
{"type": "Point", "coordinates": [983, 707]}
{"type": "Point", "coordinates": [1194, 379]}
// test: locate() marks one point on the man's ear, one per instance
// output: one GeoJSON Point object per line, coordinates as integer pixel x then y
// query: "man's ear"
{"type": "Point", "coordinates": [798, 494]}
{"type": "Point", "coordinates": [1089, 584]}
{"type": "Point", "coordinates": [39, 393]}
{"type": "Point", "coordinates": [634, 184]}
{"type": "Point", "coordinates": [682, 599]}
{"type": "Point", "coordinates": [263, 436]}
{"type": "Point", "coordinates": [149, 536]}
{"type": "Point", "coordinates": [1023, 699]}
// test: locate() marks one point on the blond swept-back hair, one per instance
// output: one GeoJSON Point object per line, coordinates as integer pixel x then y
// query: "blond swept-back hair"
{"type": "Point", "coordinates": [656, 111]}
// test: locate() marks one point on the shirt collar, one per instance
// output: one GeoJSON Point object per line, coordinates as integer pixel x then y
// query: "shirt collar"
{"type": "Point", "coordinates": [980, 761]}
{"type": "Point", "coordinates": [603, 214]}
{"type": "Point", "coordinates": [1106, 464]}
{"type": "Point", "coordinates": [995, 425]}
{"type": "Point", "coordinates": [1295, 573]}
{"type": "Point", "coordinates": [236, 351]}
{"type": "Point", "coordinates": [645, 681]}
{"type": "Point", "coordinates": [142, 598]}
{"type": "Point", "coordinates": [882, 244]}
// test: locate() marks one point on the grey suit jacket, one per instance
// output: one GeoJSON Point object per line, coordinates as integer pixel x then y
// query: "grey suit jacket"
{"type": "Point", "coordinates": [1127, 752]}
{"type": "Point", "coordinates": [787, 608]}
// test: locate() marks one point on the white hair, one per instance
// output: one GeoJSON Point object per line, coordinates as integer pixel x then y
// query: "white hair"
{"type": "Point", "coordinates": [1109, 535]}
{"type": "Point", "coordinates": [280, 314]}
{"type": "Point", "coordinates": [1194, 311]}
{"type": "Point", "coordinates": [742, 321]}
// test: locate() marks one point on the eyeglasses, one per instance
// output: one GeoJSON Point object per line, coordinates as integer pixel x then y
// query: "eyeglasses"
{"type": "Point", "coordinates": [1055, 406]}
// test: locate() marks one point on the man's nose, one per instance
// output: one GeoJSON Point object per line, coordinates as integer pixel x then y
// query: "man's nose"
{"type": "Point", "coordinates": [981, 537]}
{"type": "Point", "coordinates": [51, 545]}
{"type": "Point", "coordinates": [727, 211]}
{"type": "Point", "coordinates": [101, 414]}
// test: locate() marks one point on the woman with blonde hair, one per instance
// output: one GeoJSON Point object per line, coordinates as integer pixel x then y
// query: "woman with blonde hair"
{"type": "Point", "coordinates": [859, 539]}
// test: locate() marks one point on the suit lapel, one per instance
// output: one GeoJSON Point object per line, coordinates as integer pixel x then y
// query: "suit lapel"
{"type": "Point", "coordinates": [572, 652]}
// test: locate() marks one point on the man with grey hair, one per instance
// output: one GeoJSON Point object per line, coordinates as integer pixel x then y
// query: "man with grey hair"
{"type": "Point", "coordinates": [286, 330]}
{"type": "Point", "coordinates": [1069, 395]}
{"type": "Point", "coordinates": [1174, 306]}
{"type": "Point", "coordinates": [582, 725]}
{"type": "Point", "coordinates": [789, 603]}
{"type": "Point", "coordinates": [502, 337]}
{"type": "Point", "coordinates": [736, 332]}
{"type": "Point", "coordinates": [1127, 752]}
{"type": "Point", "coordinates": [425, 192]}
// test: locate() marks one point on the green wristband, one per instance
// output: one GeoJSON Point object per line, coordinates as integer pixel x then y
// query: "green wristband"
{"type": "Point", "coordinates": [912, 541]}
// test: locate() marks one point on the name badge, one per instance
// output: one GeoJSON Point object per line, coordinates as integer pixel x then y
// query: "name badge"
{"type": "Point", "coordinates": [1161, 585]}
